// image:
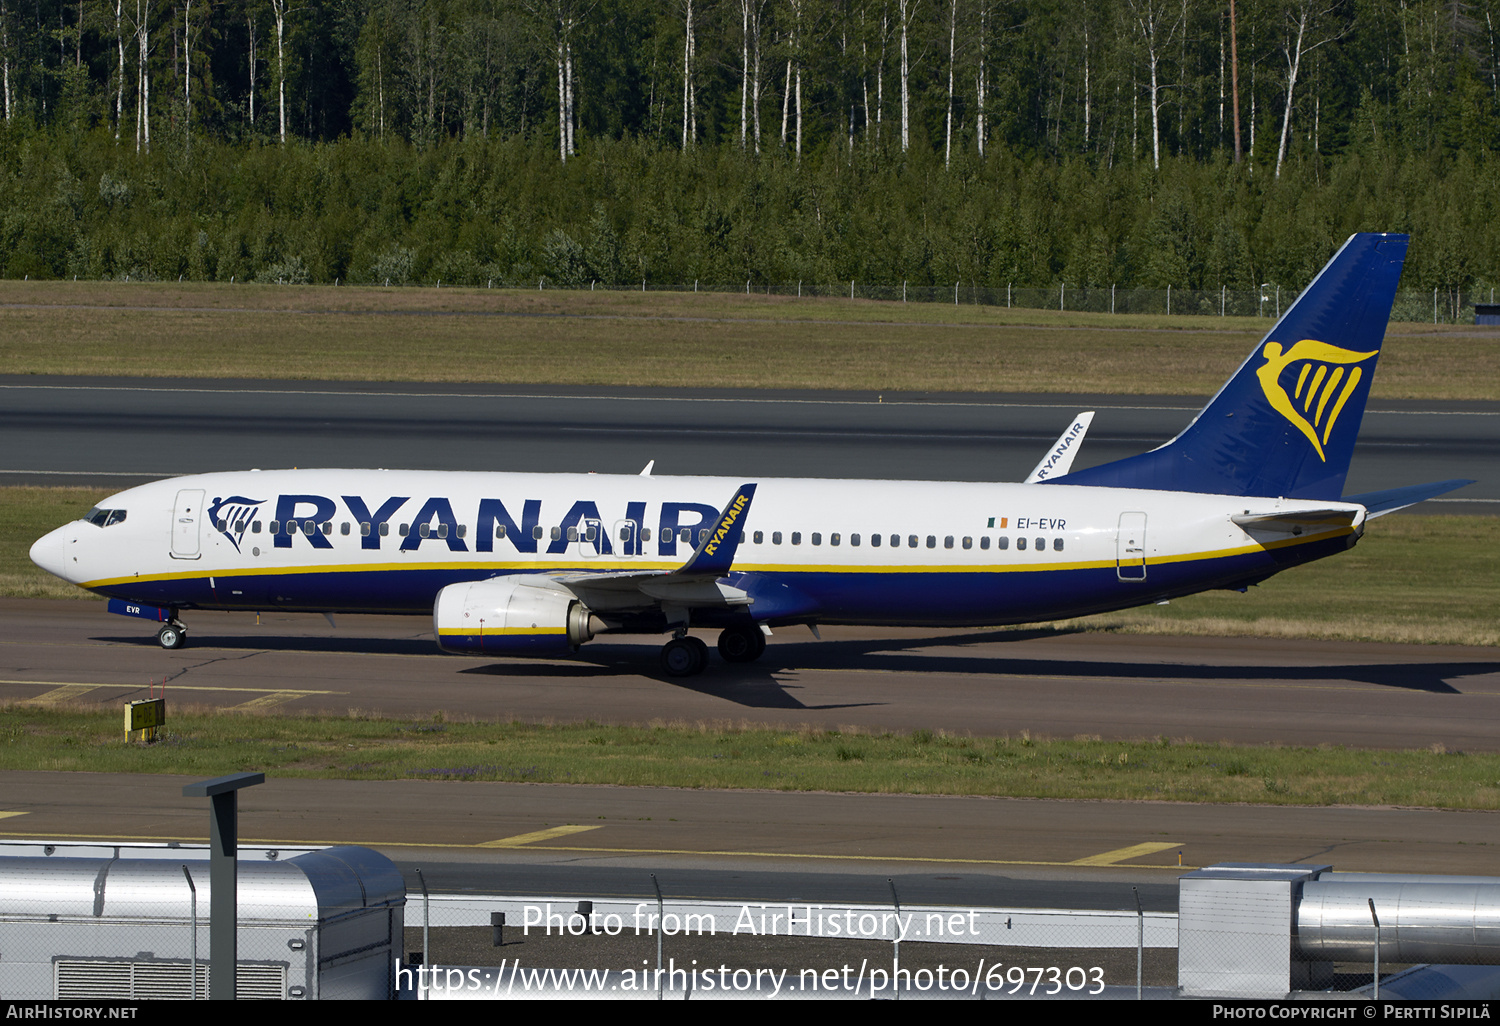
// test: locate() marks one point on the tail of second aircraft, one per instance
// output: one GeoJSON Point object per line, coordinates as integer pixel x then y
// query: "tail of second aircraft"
{"type": "Point", "coordinates": [1285, 424]}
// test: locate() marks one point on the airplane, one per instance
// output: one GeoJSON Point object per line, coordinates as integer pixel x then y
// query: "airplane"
{"type": "Point", "coordinates": [538, 564]}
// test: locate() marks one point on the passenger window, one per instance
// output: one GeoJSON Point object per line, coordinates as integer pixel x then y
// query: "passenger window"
{"type": "Point", "coordinates": [1057, 544]}
{"type": "Point", "coordinates": [442, 530]}
{"type": "Point", "coordinates": [424, 530]}
{"type": "Point", "coordinates": [364, 529]}
{"type": "Point", "coordinates": [1021, 544]}
{"type": "Point", "coordinates": [309, 527]}
{"type": "Point", "coordinates": [276, 527]}
{"type": "Point", "coordinates": [684, 534]}
{"type": "Point", "coordinates": [833, 539]}
{"type": "Point", "coordinates": [463, 529]}
{"type": "Point", "coordinates": [854, 539]}
{"type": "Point", "coordinates": [817, 539]}
{"type": "Point", "coordinates": [947, 542]}
{"type": "Point", "coordinates": [591, 533]}
{"type": "Point", "coordinates": [344, 528]}
{"type": "Point", "coordinates": [1041, 544]}
{"type": "Point", "coordinates": [404, 530]}
{"type": "Point", "coordinates": [572, 534]}
{"type": "Point", "coordinates": [385, 529]}
{"type": "Point", "coordinates": [556, 533]}
{"type": "Point", "coordinates": [240, 527]}
{"type": "Point", "coordinates": [796, 537]}
{"type": "Point", "coordinates": [911, 541]}
{"type": "Point", "coordinates": [255, 527]}
{"type": "Point", "coordinates": [291, 526]}
{"type": "Point", "coordinates": [932, 541]}
{"type": "Point", "coordinates": [645, 534]}
{"type": "Point", "coordinates": [984, 542]}
{"type": "Point", "coordinates": [625, 533]}
{"type": "Point", "coordinates": [702, 535]}
{"type": "Point", "coordinates": [221, 524]}
{"type": "Point", "coordinates": [1002, 542]}
{"type": "Point", "coordinates": [968, 542]}
{"type": "Point", "coordinates": [758, 536]}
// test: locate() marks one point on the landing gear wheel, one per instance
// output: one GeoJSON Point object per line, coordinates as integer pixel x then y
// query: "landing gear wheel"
{"type": "Point", "coordinates": [172, 636]}
{"type": "Point", "coordinates": [742, 644]}
{"type": "Point", "coordinates": [684, 657]}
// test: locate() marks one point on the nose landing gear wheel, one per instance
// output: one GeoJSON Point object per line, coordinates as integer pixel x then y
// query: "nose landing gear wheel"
{"type": "Point", "coordinates": [742, 644]}
{"type": "Point", "coordinates": [172, 636]}
{"type": "Point", "coordinates": [684, 657]}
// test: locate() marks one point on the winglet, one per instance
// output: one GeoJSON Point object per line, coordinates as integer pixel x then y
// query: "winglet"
{"type": "Point", "coordinates": [1059, 460]}
{"type": "Point", "coordinates": [715, 553]}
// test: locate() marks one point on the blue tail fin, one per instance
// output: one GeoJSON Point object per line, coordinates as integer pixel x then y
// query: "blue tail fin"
{"type": "Point", "coordinates": [1285, 424]}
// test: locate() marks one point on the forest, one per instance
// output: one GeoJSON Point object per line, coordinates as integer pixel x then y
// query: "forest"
{"type": "Point", "coordinates": [1143, 143]}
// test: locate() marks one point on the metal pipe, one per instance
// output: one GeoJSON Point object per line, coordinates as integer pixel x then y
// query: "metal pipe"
{"type": "Point", "coordinates": [1420, 922]}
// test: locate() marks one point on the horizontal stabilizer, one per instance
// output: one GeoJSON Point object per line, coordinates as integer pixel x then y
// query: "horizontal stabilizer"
{"type": "Point", "coordinates": [1392, 499]}
{"type": "Point", "coordinates": [1059, 460]}
{"type": "Point", "coordinates": [1297, 521]}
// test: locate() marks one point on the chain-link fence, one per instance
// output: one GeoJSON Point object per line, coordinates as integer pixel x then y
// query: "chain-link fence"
{"type": "Point", "coordinates": [1439, 306]}
{"type": "Point", "coordinates": [518, 946]}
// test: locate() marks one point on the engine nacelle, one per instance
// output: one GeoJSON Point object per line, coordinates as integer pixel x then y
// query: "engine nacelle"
{"type": "Point", "coordinates": [516, 615]}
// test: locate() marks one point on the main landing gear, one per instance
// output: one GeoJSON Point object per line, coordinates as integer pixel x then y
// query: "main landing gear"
{"type": "Point", "coordinates": [686, 656]}
{"type": "Point", "coordinates": [173, 635]}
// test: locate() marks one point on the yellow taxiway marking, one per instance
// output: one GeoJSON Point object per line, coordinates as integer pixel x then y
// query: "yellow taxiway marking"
{"type": "Point", "coordinates": [1135, 851]}
{"type": "Point", "coordinates": [80, 688]}
{"type": "Point", "coordinates": [269, 700]}
{"type": "Point", "coordinates": [61, 693]}
{"type": "Point", "coordinates": [536, 835]}
{"type": "Point", "coordinates": [312, 843]}
{"type": "Point", "coordinates": [7, 815]}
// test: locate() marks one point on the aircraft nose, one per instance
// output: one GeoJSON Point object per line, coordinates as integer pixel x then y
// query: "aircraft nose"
{"type": "Point", "coordinates": [48, 552]}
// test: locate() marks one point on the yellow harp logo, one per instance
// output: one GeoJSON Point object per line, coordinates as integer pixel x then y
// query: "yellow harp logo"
{"type": "Point", "coordinates": [1311, 405]}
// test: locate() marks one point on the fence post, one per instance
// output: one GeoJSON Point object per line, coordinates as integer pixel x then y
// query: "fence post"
{"type": "Point", "coordinates": [1007, 295]}
{"type": "Point", "coordinates": [1376, 918]}
{"type": "Point", "coordinates": [851, 288]}
{"type": "Point", "coordinates": [1062, 290]}
{"type": "Point", "coordinates": [955, 293]}
{"type": "Point", "coordinates": [1169, 301]}
{"type": "Point", "coordinates": [660, 916]}
{"type": "Point", "coordinates": [903, 290]}
{"type": "Point", "coordinates": [1140, 941]}
{"type": "Point", "coordinates": [1223, 294]}
{"type": "Point", "coordinates": [1111, 299]}
{"type": "Point", "coordinates": [1434, 306]}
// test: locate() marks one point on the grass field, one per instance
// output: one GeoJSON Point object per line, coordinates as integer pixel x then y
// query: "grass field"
{"type": "Point", "coordinates": [663, 339]}
{"type": "Point", "coordinates": [1418, 579]}
{"type": "Point", "coordinates": [208, 743]}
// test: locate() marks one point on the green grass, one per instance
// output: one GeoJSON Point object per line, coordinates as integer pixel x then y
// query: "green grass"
{"type": "Point", "coordinates": [25, 515]}
{"type": "Point", "coordinates": [1414, 579]}
{"type": "Point", "coordinates": [662, 339]}
{"type": "Point", "coordinates": [208, 743]}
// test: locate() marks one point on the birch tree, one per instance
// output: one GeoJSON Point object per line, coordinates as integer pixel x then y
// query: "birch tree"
{"type": "Point", "coordinates": [1305, 30]}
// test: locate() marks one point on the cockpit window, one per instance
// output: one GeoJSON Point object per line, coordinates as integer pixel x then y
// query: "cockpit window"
{"type": "Point", "coordinates": [105, 517]}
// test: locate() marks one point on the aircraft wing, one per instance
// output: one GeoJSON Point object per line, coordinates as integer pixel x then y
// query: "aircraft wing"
{"type": "Point", "coordinates": [695, 583]}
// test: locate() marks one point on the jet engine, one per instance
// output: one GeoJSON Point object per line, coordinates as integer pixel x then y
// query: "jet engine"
{"type": "Point", "coordinates": [515, 615]}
